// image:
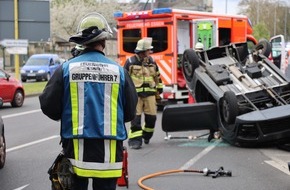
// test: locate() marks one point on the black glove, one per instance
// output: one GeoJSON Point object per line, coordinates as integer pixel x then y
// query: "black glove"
{"type": "Point", "coordinates": [160, 90]}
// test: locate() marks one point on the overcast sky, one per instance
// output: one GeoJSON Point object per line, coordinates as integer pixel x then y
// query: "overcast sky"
{"type": "Point", "coordinates": [219, 6]}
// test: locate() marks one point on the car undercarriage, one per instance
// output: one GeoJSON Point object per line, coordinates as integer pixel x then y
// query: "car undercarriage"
{"type": "Point", "coordinates": [251, 95]}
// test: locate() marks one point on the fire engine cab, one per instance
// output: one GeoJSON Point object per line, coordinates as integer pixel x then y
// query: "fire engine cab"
{"type": "Point", "coordinates": [173, 31]}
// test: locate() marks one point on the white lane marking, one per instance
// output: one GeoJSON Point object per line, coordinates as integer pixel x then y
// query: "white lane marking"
{"type": "Point", "coordinates": [278, 159]}
{"type": "Point", "coordinates": [192, 161]}
{"type": "Point", "coordinates": [32, 143]}
{"type": "Point", "coordinates": [282, 166]}
{"type": "Point", "coordinates": [19, 188]}
{"type": "Point", "coordinates": [19, 114]}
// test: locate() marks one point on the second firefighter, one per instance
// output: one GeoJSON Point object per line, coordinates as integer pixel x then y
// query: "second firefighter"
{"type": "Point", "coordinates": [146, 77]}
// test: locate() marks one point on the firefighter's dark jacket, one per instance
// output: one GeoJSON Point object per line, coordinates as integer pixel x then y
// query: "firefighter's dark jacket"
{"type": "Point", "coordinates": [52, 98]}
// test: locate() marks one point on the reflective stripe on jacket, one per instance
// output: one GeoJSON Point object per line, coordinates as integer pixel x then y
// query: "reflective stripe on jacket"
{"type": "Point", "coordinates": [111, 165]}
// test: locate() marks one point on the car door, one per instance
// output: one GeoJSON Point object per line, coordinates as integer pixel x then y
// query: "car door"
{"type": "Point", "coordinates": [53, 65]}
{"type": "Point", "coordinates": [279, 52]}
{"type": "Point", "coordinates": [6, 88]}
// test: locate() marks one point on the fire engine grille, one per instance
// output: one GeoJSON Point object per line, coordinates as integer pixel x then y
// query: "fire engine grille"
{"type": "Point", "coordinates": [275, 126]}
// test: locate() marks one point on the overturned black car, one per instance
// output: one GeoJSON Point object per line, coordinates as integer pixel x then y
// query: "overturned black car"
{"type": "Point", "coordinates": [242, 94]}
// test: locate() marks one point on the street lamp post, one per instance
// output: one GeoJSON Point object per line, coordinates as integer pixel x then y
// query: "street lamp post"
{"type": "Point", "coordinates": [285, 22]}
{"type": "Point", "coordinates": [285, 5]}
{"type": "Point", "coordinates": [226, 8]}
{"type": "Point", "coordinates": [16, 36]}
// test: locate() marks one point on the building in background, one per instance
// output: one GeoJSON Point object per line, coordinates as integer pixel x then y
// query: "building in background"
{"type": "Point", "coordinates": [196, 5]}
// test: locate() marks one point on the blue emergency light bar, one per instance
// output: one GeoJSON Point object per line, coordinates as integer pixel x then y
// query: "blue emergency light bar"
{"type": "Point", "coordinates": [118, 14]}
{"type": "Point", "coordinates": [162, 10]}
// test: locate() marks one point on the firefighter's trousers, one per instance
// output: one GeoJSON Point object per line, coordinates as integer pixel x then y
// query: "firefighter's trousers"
{"type": "Point", "coordinates": [146, 105]}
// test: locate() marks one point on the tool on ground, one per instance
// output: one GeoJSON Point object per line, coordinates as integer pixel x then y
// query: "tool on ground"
{"type": "Point", "coordinates": [214, 173]}
{"type": "Point", "coordinates": [124, 179]}
{"type": "Point", "coordinates": [211, 135]}
{"type": "Point", "coordinates": [190, 137]}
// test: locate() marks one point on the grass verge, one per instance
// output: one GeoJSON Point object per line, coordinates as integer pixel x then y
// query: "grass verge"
{"type": "Point", "coordinates": [33, 87]}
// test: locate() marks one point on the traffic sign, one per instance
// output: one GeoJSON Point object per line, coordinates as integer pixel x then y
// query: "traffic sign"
{"type": "Point", "coordinates": [17, 50]}
{"type": "Point", "coordinates": [14, 43]}
{"type": "Point", "coordinates": [33, 19]}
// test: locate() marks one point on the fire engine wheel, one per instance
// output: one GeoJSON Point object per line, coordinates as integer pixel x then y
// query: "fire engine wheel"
{"type": "Point", "coordinates": [263, 47]}
{"type": "Point", "coordinates": [229, 107]}
{"type": "Point", "coordinates": [190, 62]}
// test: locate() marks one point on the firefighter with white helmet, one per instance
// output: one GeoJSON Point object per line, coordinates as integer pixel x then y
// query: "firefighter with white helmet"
{"type": "Point", "coordinates": [146, 77]}
{"type": "Point", "coordinates": [198, 46]}
{"type": "Point", "coordinates": [93, 97]}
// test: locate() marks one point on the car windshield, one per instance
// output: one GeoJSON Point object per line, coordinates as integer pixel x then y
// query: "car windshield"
{"type": "Point", "coordinates": [2, 74]}
{"type": "Point", "coordinates": [37, 61]}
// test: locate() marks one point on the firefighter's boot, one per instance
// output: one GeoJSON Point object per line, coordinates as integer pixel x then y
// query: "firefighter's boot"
{"type": "Point", "coordinates": [135, 143]}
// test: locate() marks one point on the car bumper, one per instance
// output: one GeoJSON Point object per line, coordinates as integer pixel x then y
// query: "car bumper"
{"type": "Point", "coordinates": [269, 125]}
{"type": "Point", "coordinates": [33, 75]}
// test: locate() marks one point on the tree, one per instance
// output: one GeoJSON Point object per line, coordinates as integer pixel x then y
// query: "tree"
{"type": "Point", "coordinates": [261, 31]}
{"type": "Point", "coordinates": [66, 14]}
{"type": "Point", "coordinates": [274, 14]}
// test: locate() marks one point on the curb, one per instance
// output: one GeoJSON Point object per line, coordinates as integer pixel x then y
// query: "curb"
{"type": "Point", "coordinates": [32, 95]}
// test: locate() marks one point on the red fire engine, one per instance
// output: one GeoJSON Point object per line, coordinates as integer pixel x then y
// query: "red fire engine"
{"type": "Point", "coordinates": [173, 31]}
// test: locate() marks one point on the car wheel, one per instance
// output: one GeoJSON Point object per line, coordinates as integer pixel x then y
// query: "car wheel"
{"type": "Point", "coordinates": [23, 79]}
{"type": "Point", "coordinates": [227, 116]}
{"type": "Point", "coordinates": [18, 99]}
{"type": "Point", "coordinates": [47, 77]}
{"type": "Point", "coordinates": [263, 47]}
{"type": "Point", "coordinates": [2, 150]}
{"type": "Point", "coordinates": [190, 62]}
{"type": "Point", "coordinates": [229, 107]}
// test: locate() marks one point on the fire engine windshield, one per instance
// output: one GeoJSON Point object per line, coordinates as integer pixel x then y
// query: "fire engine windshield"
{"type": "Point", "coordinates": [159, 36]}
{"type": "Point", "coordinates": [130, 38]}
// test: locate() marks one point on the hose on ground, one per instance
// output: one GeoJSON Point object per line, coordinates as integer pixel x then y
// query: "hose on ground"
{"type": "Point", "coordinates": [140, 181]}
{"type": "Point", "coordinates": [205, 171]}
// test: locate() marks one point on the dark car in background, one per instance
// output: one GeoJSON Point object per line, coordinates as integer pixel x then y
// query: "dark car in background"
{"type": "Point", "coordinates": [40, 67]}
{"type": "Point", "coordinates": [2, 142]}
{"type": "Point", "coordinates": [11, 90]}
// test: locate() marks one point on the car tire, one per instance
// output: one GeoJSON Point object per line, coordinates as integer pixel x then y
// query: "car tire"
{"type": "Point", "coordinates": [264, 47]}
{"type": "Point", "coordinates": [2, 150]}
{"type": "Point", "coordinates": [18, 99]}
{"type": "Point", "coordinates": [23, 79]}
{"type": "Point", "coordinates": [190, 61]}
{"type": "Point", "coordinates": [229, 107]}
{"type": "Point", "coordinates": [227, 122]}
